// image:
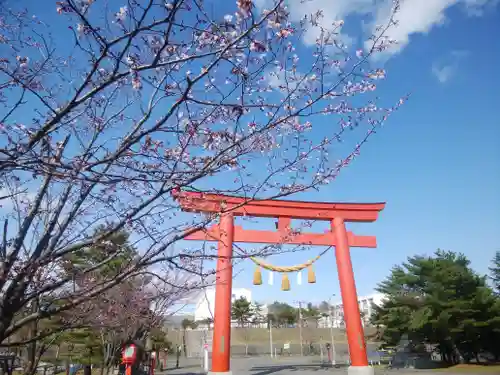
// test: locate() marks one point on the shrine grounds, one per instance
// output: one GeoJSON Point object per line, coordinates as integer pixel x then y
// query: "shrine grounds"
{"type": "Point", "coordinates": [309, 366]}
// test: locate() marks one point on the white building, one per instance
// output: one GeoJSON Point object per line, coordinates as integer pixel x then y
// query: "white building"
{"type": "Point", "coordinates": [205, 303]}
{"type": "Point", "coordinates": [205, 306]}
{"type": "Point", "coordinates": [336, 318]}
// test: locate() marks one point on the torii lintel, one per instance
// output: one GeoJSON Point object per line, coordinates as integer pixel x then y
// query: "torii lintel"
{"type": "Point", "coordinates": [288, 237]}
{"type": "Point", "coordinates": [241, 206]}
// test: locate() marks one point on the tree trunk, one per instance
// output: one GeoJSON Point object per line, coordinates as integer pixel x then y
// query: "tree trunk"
{"type": "Point", "coordinates": [184, 346]}
{"type": "Point", "coordinates": [444, 353]}
{"type": "Point", "coordinates": [476, 355]}
{"type": "Point", "coordinates": [456, 354]}
{"type": "Point", "coordinates": [32, 360]}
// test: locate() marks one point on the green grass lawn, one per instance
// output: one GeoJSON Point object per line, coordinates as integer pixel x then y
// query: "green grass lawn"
{"type": "Point", "coordinates": [463, 369]}
{"type": "Point", "coordinates": [475, 369]}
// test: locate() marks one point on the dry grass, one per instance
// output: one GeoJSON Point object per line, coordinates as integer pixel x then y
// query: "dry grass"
{"type": "Point", "coordinates": [472, 369]}
{"type": "Point", "coordinates": [255, 336]}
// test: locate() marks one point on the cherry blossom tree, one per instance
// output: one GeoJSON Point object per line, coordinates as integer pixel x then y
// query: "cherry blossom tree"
{"type": "Point", "coordinates": [125, 312]}
{"type": "Point", "coordinates": [108, 109]}
{"type": "Point", "coordinates": [99, 326]}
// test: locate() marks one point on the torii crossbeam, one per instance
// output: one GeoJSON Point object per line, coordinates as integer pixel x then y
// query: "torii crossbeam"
{"type": "Point", "coordinates": [226, 233]}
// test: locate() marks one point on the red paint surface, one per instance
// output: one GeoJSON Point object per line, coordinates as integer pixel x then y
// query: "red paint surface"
{"type": "Point", "coordinates": [221, 348]}
{"type": "Point", "coordinates": [226, 233]}
{"type": "Point", "coordinates": [352, 317]}
{"type": "Point", "coordinates": [205, 202]}
{"type": "Point", "coordinates": [278, 237]}
{"type": "Point", "coordinates": [153, 366]}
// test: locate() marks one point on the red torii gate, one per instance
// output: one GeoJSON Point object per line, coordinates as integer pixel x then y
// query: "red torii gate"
{"type": "Point", "coordinates": [226, 233]}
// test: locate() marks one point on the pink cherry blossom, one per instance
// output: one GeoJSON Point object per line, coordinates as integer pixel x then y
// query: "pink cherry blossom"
{"type": "Point", "coordinates": [245, 7]}
{"type": "Point", "coordinates": [121, 15]}
{"type": "Point", "coordinates": [103, 123]}
{"type": "Point", "coordinates": [257, 46]}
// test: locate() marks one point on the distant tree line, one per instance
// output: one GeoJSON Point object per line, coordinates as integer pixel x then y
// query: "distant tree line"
{"type": "Point", "coordinates": [279, 314]}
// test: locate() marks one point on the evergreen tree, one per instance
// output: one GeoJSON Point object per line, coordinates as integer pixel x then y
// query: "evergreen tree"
{"type": "Point", "coordinates": [440, 300]}
{"type": "Point", "coordinates": [119, 315]}
{"type": "Point", "coordinates": [242, 311]}
{"type": "Point", "coordinates": [206, 322]}
{"type": "Point", "coordinates": [324, 308]}
{"type": "Point", "coordinates": [159, 340]}
{"type": "Point", "coordinates": [311, 311]}
{"type": "Point", "coordinates": [495, 271]}
{"type": "Point", "coordinates": [282, 314]}
{"type": "Point", "coordinates": [311, 314]}
{"type": "Point", "coordinates": [187, 323]}
{"type": "Point", "coordinates": [258, 317]}
{"type": "Point", "coordinates": [110, 256]}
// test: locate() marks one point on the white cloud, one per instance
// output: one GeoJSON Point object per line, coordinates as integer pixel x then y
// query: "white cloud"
{"type": "Point", "coordinates": [415, 16]}
{"type": "Point", "coordinates": [331, 11]}
{"type": "Point", "coordinates": [420, 17]}
{"type": "Point", "coordinates": [445, 69]}
{"type": "Point", "coordinates": [443, 73]}
{"type": "Point", "coordinates": [478, 7]}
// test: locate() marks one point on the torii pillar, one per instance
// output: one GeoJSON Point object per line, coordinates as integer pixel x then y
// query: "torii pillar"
{"type": "Point", "coordinates": [226, 233]}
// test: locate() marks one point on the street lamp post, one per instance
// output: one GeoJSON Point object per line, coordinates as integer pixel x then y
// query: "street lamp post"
{"type": "Point", "coordinates": [334, 353]}
{"type": "Point", "coordinates": [300, 329]}
{"type": "Point", "coordinates": [271, 335]}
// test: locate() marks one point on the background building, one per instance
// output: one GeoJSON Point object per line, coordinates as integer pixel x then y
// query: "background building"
{"type": "Point", "coordinates": [336, 317]}
{"type": "Point", "coordinates": [204, 305]}
{"type": "Point", "coordinates": [254, 338]}
{"type": "Point", "coordinates": [205, 302]}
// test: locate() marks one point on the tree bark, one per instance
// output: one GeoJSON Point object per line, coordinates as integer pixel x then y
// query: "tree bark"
{"type": "Point", "coordinates": [476, 355]}
{"type": "Point", "coordinates": [32, 358]}
{"type": "Point", "coordinates": [184, 346]}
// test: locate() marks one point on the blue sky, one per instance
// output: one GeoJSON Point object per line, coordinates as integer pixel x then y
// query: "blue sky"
{"type": "Point", "coordinates": [436, 162]}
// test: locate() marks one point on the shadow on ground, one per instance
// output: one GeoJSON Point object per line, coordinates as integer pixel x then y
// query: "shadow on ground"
{"type": "Point", "coordinates": [185, 367]}
{"type": "Point", "coordinates": [267, 370]}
